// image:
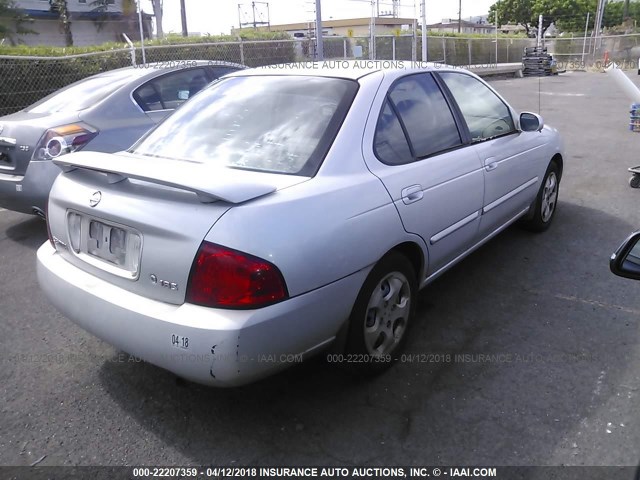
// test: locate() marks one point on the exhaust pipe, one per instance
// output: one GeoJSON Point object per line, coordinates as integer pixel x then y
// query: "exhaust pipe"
{"type": "Point", "coordinates": [38, 211]}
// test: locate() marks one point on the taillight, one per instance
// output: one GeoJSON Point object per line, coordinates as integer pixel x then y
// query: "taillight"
{"type": "Point", "coordinates": [62, 140]}
{"type": "Point", "coordinates": [225, 278]}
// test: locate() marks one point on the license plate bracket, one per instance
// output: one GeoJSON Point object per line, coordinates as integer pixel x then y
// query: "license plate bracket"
{"type": "Point", "coordinates": [104, 244]}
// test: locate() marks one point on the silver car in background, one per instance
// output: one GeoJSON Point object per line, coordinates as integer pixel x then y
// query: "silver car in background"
{"type": "Point", "coordinates": [285, 211]}
{"type": "Point", "coordinates": [107, 112]}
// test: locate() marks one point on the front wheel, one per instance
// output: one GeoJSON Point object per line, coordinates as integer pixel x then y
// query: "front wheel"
{"type": "Point", "coordinates": [382, 314]}
{"type": "Point", "coordinates": [544, 207]}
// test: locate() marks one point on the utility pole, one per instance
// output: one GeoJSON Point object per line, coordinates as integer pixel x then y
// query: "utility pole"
{"type": "Point", "coordinates": [319, 45]}
{"type": "Point", "coordinates": [255, 22]}
{"type": "Point", "coordinates": [372, 32]}
{"type": "Point", "coordinates": [598, 24]}
{"type": "Point", "coordinates": [540, 20]}
{"type": "Point", "coordinates": [460, 16]}
{"type": "Point", "coordinates": [424, 32]}
{"type": "Point", "coordinates": [183, 17]}
{"type": "Point", "coordinates": [497, 35]}
{"type": "Point", "coordinates": [144, 56]}
{"type": "Point", "coordinates": [584, 43]}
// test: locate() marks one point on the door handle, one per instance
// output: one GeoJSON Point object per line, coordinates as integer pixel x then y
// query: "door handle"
{"type": "Point", "coordinates": [412, 194]}
{"type": "Point", "coordinates": [490, 164]}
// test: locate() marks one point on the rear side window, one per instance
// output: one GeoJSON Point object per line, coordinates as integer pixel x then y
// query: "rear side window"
{"type": "Point", "coordinates": [425, 115]}
{"type": "Point", "coordinates": [415, 122]}
{"type": "Point", "coordinates": [390, 142]}
{"type": "Point", "coordinates": [170, 91]}
{"type": "Point", "coordinates": [484, 112]}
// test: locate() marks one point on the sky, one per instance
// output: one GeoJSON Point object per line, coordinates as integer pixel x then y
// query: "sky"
{"type": "Point", "coordinates": [219, 16]}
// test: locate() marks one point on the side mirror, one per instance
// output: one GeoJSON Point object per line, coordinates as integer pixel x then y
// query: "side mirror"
{"type": "Point", "coordinates": [531, 122]}
{"type": "Point", "coordinates": [626, 261]}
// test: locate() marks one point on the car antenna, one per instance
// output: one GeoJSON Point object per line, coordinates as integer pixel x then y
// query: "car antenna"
{"type": "Point", "coordinates": [539, 95]}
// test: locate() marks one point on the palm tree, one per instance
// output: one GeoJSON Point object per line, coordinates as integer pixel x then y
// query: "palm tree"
{"type": "Point", "coordinates": [157, 11]}
{"type": "Point", "coordinates": [625, 15]}
{"type": "Point", "coordinates": [60, 7]}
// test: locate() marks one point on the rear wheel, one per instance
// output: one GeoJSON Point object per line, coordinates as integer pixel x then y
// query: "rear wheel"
{"type": "Point", "coordinates": [544, 208]}
{"type": "Point", "coordinates": [381, 315]}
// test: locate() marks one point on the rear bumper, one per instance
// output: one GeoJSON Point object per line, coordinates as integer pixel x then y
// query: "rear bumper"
{"type": "Point", "coordinates": [23, 193]}
{"type": "Point", "coordinates": [224, 348]}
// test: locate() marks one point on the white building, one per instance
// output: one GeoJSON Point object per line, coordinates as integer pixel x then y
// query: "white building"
{"type": "Point", "coordinates": [88, 26]}
{"type": "Point", "coordinates": [449, 25]}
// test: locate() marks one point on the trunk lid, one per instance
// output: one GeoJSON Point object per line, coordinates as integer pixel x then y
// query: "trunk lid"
{"type": "Point", "coordinates": [142, 220]}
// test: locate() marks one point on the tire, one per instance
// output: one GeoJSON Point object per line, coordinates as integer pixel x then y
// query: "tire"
{"type": "Point", "coordinates": [381, 315]}
{"type": "Point", "coordinates": [634, 181]}
{"type": "Point", "coordinates": [545, 205]}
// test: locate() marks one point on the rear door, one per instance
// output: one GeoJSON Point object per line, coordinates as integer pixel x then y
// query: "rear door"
{"type": "Point", "coordinates": [507, 155]}
{"type": "Point", "coordinates": [435, 181]}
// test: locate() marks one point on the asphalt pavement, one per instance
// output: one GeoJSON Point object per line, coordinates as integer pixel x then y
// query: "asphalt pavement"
{"type": "Point", "coordinates": [526, 353]}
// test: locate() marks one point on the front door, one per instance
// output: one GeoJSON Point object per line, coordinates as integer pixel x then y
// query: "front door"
{"type": "Point", "coordinates": [507, 155]}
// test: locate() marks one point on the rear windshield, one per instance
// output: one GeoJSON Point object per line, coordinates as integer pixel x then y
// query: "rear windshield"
{"type": "Point", "coordinates": [80, 95]}
{"type": "Point", "coordinates": [280, 124]}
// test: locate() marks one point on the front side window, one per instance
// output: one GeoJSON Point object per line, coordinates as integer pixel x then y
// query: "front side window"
{"type": "Point", "coordinates": [280, 124]}
{"type": "Point", "coordinates": [485, 113]}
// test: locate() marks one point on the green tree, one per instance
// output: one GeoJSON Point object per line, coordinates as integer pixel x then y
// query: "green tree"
{"type": "Point", "coordinates": [566, 14]}
{"type": "Point", "coordinates": [518, 12]}
{"type": "Point", "coordinates": [13, 21]}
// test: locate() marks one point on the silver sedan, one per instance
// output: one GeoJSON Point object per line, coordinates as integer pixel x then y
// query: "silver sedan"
{"type": "Point", "coordinates": [107, 112]}
{"type": "Point", "coordinates": [289, 211]}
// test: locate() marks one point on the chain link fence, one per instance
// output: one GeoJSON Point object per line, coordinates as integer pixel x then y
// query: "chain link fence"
{"type": "Point", "coordinates": [581, 53]}
{"type": "Point", "coordinates": [24, 79]}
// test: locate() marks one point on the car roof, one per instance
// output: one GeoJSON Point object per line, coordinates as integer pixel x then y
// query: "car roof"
{"type": "Point", "coordinates": [349, 69]}
{"type": "Point", "coordinates": [157, 68]}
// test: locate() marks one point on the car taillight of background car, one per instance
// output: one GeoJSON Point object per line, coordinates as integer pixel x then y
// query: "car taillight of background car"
{"type": "Point", "coordinates": [64, 139]}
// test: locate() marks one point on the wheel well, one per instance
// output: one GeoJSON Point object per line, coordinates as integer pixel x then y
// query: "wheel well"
{"type": "Point", "coordinates": [558, 159]}
{"type": "Point", "coordinates": [414, 254]}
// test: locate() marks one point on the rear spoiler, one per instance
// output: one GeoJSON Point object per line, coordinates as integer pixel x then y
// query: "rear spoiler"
{"type": "Point", "coordinates": [210, 184]}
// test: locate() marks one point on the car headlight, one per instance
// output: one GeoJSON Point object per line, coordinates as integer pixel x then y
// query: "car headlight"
{"type": "Point", "coordinates": [64, 139]}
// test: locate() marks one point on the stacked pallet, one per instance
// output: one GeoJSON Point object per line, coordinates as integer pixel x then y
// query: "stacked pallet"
{"type": "Point", "coordinates": [536, 62]}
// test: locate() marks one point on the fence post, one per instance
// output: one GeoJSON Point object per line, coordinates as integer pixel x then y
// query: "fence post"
{"type": "Point", "coordinates": [344, 47]}
{"type": "Point", "coordinates": [393, 48]}
{"type": "Point", "coordinates": [241, 50]}
{"type": "Point", "coordinates": [444, 50]}
{"type": "Point", "coordinates": [133, 49]}
{"type": "Point", "coordinates": [469, 44]}
{"type": "Point", "coordinates": [414, 42]}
